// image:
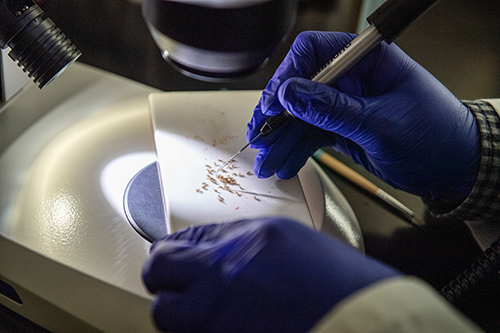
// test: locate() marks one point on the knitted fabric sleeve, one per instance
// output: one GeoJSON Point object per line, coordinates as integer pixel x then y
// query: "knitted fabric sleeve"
{"type": "Point", "coordinates": [483, 203]}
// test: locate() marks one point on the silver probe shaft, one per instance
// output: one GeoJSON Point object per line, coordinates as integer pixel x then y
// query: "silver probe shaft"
{"type": "Point", "coordinates": [237, 153]}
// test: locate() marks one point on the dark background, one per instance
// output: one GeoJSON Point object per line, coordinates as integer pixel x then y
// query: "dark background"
{"type": "Point", "coordinates": [458, 41]}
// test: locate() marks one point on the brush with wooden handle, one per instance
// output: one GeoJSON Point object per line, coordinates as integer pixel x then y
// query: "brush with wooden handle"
{"type": "Point", "coordinates": [331, 162]}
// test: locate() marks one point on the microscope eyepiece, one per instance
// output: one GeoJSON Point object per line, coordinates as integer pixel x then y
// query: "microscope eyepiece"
{"type": "Point", "coordinates": [38, 46]}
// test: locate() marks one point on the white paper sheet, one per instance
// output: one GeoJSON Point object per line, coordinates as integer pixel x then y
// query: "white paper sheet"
{"type": "Point", "coordinates": [195, 129]}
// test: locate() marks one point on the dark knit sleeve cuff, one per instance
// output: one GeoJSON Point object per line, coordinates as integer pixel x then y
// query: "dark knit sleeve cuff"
{"type": "Point", "coordinates": [483, 203]}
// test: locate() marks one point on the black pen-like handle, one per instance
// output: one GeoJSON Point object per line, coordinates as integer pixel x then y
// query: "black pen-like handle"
{"type": "Point", "coordinates": [394, 16]}
{"type": "Point", "coordinates": [387, 23]}
{"type": "Point", "coordinates": [274, 122]}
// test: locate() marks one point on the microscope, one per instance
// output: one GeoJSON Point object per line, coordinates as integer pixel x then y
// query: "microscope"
{"type": "Point", "coordinates": [78, 159]}
{"type": "Point", "coordinates": [209, 40]}
{"type": "Point", "coordinates": [35, 43]}
{"type": "Point", "coordinates": [219, 40]}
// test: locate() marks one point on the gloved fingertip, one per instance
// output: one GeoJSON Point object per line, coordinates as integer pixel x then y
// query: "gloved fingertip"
{"type": "Point", "coordinates": [174, 265]}
{"type": "Point", "coordinates": [146, 276]}
{"type": "Point", "coordinates": [294, 87]}
{"type": "Point", "coordinates": [261, 173]}
{"type": "Point", "coordinates": [269, 103]}
{"type": "Point", "coordinates": [251, 125]}
{"type": "Point", "coordinates": [290, 168]}
{"type": "Point", "coordinates": [285, 174]}
{"type": "Point", "coordinates": [258, 172]}
{"type": "Point", "coordinates": [259, 167]}
{"type": "Point", "coordinates": [165, 316]}
{"type": "Point", "coordinates": [291, 93]}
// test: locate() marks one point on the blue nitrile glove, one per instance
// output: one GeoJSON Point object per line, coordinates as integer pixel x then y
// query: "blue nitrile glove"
{"type": "Point", "coordinates": [387, 113]}
{"type": "Point", "coordinates": [265, 275]}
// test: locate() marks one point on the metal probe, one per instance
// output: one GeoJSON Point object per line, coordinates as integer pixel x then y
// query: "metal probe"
{"type": "Point", "coordinates": [237, 153]}
{"type": "Point", "coordinates": [386, 23]}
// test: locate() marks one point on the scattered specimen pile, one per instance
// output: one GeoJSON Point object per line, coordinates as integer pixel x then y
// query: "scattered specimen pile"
{"type": "Point", "coordinates": [224, 180]}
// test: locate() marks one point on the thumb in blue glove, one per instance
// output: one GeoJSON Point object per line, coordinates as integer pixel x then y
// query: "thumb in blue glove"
{"type": "Point", "coordinates": [266, 275]}
{"type": "Point", "coordinates": [387, 113]}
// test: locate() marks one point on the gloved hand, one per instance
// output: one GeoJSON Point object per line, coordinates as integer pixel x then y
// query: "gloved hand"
{"type": "Point", "coordinates": [265, 275]}
{"type": "Point", "coordinates": [387, 113]}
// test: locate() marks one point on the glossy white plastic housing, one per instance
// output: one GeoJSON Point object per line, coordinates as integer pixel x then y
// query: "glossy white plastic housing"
{"type": "Point", "coordinates": [66, 156]}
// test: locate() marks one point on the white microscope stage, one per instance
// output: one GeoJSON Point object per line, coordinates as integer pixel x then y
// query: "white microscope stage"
{"type": "Point", "coordinates": [66, 246]}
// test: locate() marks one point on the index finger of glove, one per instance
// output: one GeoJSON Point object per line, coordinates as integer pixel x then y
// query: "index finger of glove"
{"type": "Point", "coordinates": [173, 265]}
{"type": "Point", "coordinates": [187, 311]}
{"type": "Point", "coordinates": [325, 107]}
{"type": "Point", "coordinates": [310, 51]}
{"type": "Point", "coordinates": [179, 258]}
